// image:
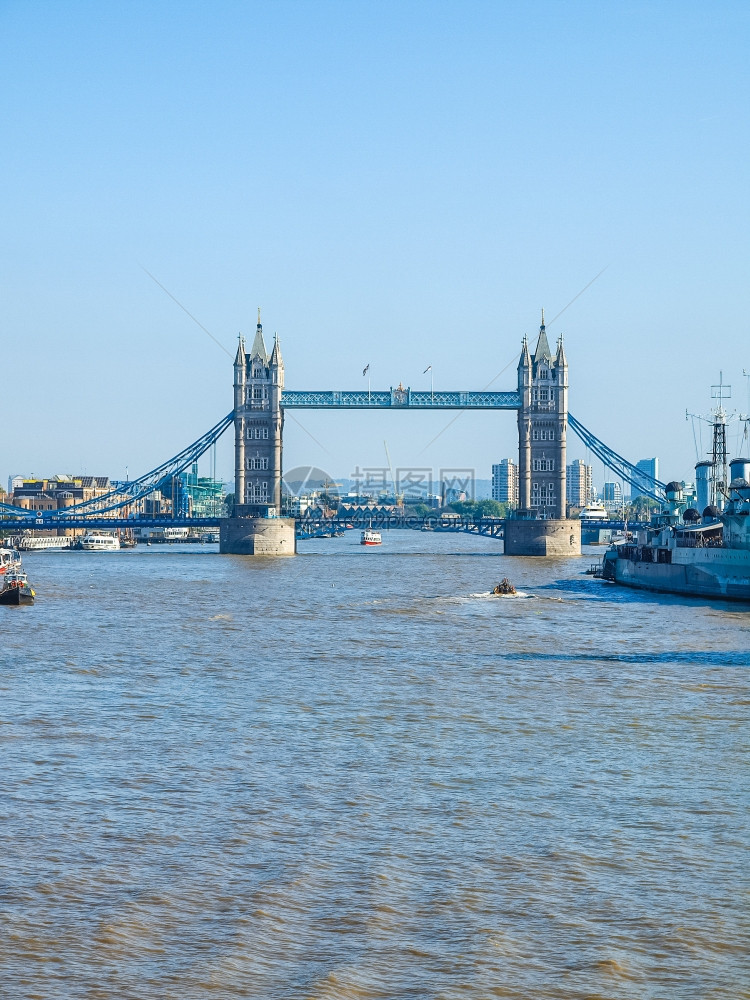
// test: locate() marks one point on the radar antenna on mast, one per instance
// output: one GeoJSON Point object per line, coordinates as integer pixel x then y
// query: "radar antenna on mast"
{"type": "Point", "coordinates": [719, 457]}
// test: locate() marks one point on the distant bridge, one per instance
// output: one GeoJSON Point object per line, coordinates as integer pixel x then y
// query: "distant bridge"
{"type": "Point", "coordinates": [491, 527]}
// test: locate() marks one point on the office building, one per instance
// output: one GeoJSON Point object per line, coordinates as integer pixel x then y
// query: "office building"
{"type": "Point", "coordinates": [612, 495]}
{"type": "Point", "coordinates": [649, 466]}
{"type": "Point", "coordinates": [505, 482]}
{"type": "Point", "coordinates": [580, 486]}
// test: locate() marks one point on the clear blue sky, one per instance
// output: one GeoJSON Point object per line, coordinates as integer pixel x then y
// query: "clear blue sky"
{"type": "Point", "coordinates": [398, 183]}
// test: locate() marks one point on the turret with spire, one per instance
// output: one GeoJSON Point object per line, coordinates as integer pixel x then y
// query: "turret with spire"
{"type": "Point", "coordinates": [524, 427]}
{"type": "Point", "coordinates": [259, 381]}
{"type": "Point", "coordinates": [542, 427]}
{"type": "Point", "coordinates": [240, 379]}
{"type": "Point", "coordinates": [542, 345]}
{"type": "Point", "coordinates": [524, 361]}
{"type": "Point", "coordinates": [560, 359]}
{"type": "Point", "coordinates": [258, 350]}
{"type": "Point", "coordinates": [276, 373]}
{"type": "Point", "coordinates": [275, 360]}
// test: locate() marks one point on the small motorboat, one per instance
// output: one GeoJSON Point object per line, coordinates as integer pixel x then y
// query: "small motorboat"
{"type": "Point", "coordinates": [504, 588]}
{"type": "Point", "coordinates": [16, 589]}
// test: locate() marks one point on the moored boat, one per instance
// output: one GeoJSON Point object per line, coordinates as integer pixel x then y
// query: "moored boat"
{"type": "Point", "coordinates": [686, 552]}
{"type": "Point", "coordinates": [41, 543]}
{"type": "Point", "coordinates": [594, 512]}
{"type": "Point", "coordinates": [9, 559]}
{"type": "Point", "coordinates": [16, 589]}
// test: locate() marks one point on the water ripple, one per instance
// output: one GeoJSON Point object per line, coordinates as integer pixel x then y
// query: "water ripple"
{"type": "Point", "coordinates": [339, 777]}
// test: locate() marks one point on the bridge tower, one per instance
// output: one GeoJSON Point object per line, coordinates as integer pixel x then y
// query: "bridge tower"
{"type": "Point", "coordinates": [542, 428]}
{"type": "Point", "coordinates": [256, 528]}
{"type": "Point", "coordinates": [258, 425]}
{"type": "Point", "coordinates": [542, 527]}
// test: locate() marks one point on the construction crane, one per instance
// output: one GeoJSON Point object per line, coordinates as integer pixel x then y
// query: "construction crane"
{"type": "Point", "coordinates": [399, 496]}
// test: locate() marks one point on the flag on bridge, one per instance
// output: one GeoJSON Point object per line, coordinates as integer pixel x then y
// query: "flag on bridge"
{"type": "Point", "coordinates": [365, 370]}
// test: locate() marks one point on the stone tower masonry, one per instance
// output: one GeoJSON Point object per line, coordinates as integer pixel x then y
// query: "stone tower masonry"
{"type": "Point", "coordinates": [258, 426]}
{"type": "Point", "coordinates": [542, 428]}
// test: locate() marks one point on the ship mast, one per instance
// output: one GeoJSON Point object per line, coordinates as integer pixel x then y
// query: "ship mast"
{"type": "Point", "coordinates": [719, 476]}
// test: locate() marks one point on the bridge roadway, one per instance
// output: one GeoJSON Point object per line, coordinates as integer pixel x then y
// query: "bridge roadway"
{"type": "Point", "coordinates": [94, 523]}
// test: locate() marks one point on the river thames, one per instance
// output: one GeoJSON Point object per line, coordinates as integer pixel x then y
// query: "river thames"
{"type": "Point", "coordinates": [355, 774]}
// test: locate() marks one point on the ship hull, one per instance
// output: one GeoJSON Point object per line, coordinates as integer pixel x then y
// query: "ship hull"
{"type": "Point", "coordinates": [17, 596]}
{"type": "Point", "coordinates": [691, 579]}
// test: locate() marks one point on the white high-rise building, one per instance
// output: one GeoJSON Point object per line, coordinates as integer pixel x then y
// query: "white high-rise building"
{"type": "Point", "coordinates": [612, 495]}
{"type": "Point", "coordinates": [505, 482]}
{"type": "Point", "coordinates": [580, 484]}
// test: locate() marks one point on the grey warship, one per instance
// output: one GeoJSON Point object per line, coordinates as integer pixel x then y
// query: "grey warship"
{"type": "Point", "coordinates": [684, 551]}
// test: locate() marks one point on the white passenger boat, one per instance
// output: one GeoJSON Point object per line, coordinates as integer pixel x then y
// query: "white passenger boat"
{"type": "Point", "coordinates": [39, 543]}
{"type": "Point", "coordinates": [99, 541]}
{"type": "Point", "coordinates": [370, 537]}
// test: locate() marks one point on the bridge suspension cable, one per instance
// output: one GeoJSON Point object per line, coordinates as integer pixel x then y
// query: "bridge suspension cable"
{"type": "Point", "coordinates": [124, 494]}
{"type": "Point", "coordinates": [643, 481]}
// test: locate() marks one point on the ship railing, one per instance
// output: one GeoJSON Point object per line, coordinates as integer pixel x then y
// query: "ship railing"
{"type": "Point", "coordinates": [698, 542]}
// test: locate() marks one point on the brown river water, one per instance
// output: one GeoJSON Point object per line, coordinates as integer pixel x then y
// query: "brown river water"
{"type": "Point", "coordinates": [354, 774]}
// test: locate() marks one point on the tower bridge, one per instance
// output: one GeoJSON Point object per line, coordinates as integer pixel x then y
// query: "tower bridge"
{"type": "Point", "coordinates": [540, 401]}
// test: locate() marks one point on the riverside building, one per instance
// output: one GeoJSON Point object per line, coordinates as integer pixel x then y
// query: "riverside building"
{"type": "Point", "coordinates": [651, 467]}
{"type": "Point", "coordinates": [612, 496]}
{"type": "Point", "coordinates": [580, 484]}
{"type": "Point", "coordinates": [505, 482]}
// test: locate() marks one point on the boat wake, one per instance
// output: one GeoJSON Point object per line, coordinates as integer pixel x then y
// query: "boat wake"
{"type": "Point", "coordinates": [489, 595]}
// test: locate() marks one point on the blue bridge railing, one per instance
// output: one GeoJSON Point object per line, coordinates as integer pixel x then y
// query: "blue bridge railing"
{"type": "Point", "coordinates": [398, 399]}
